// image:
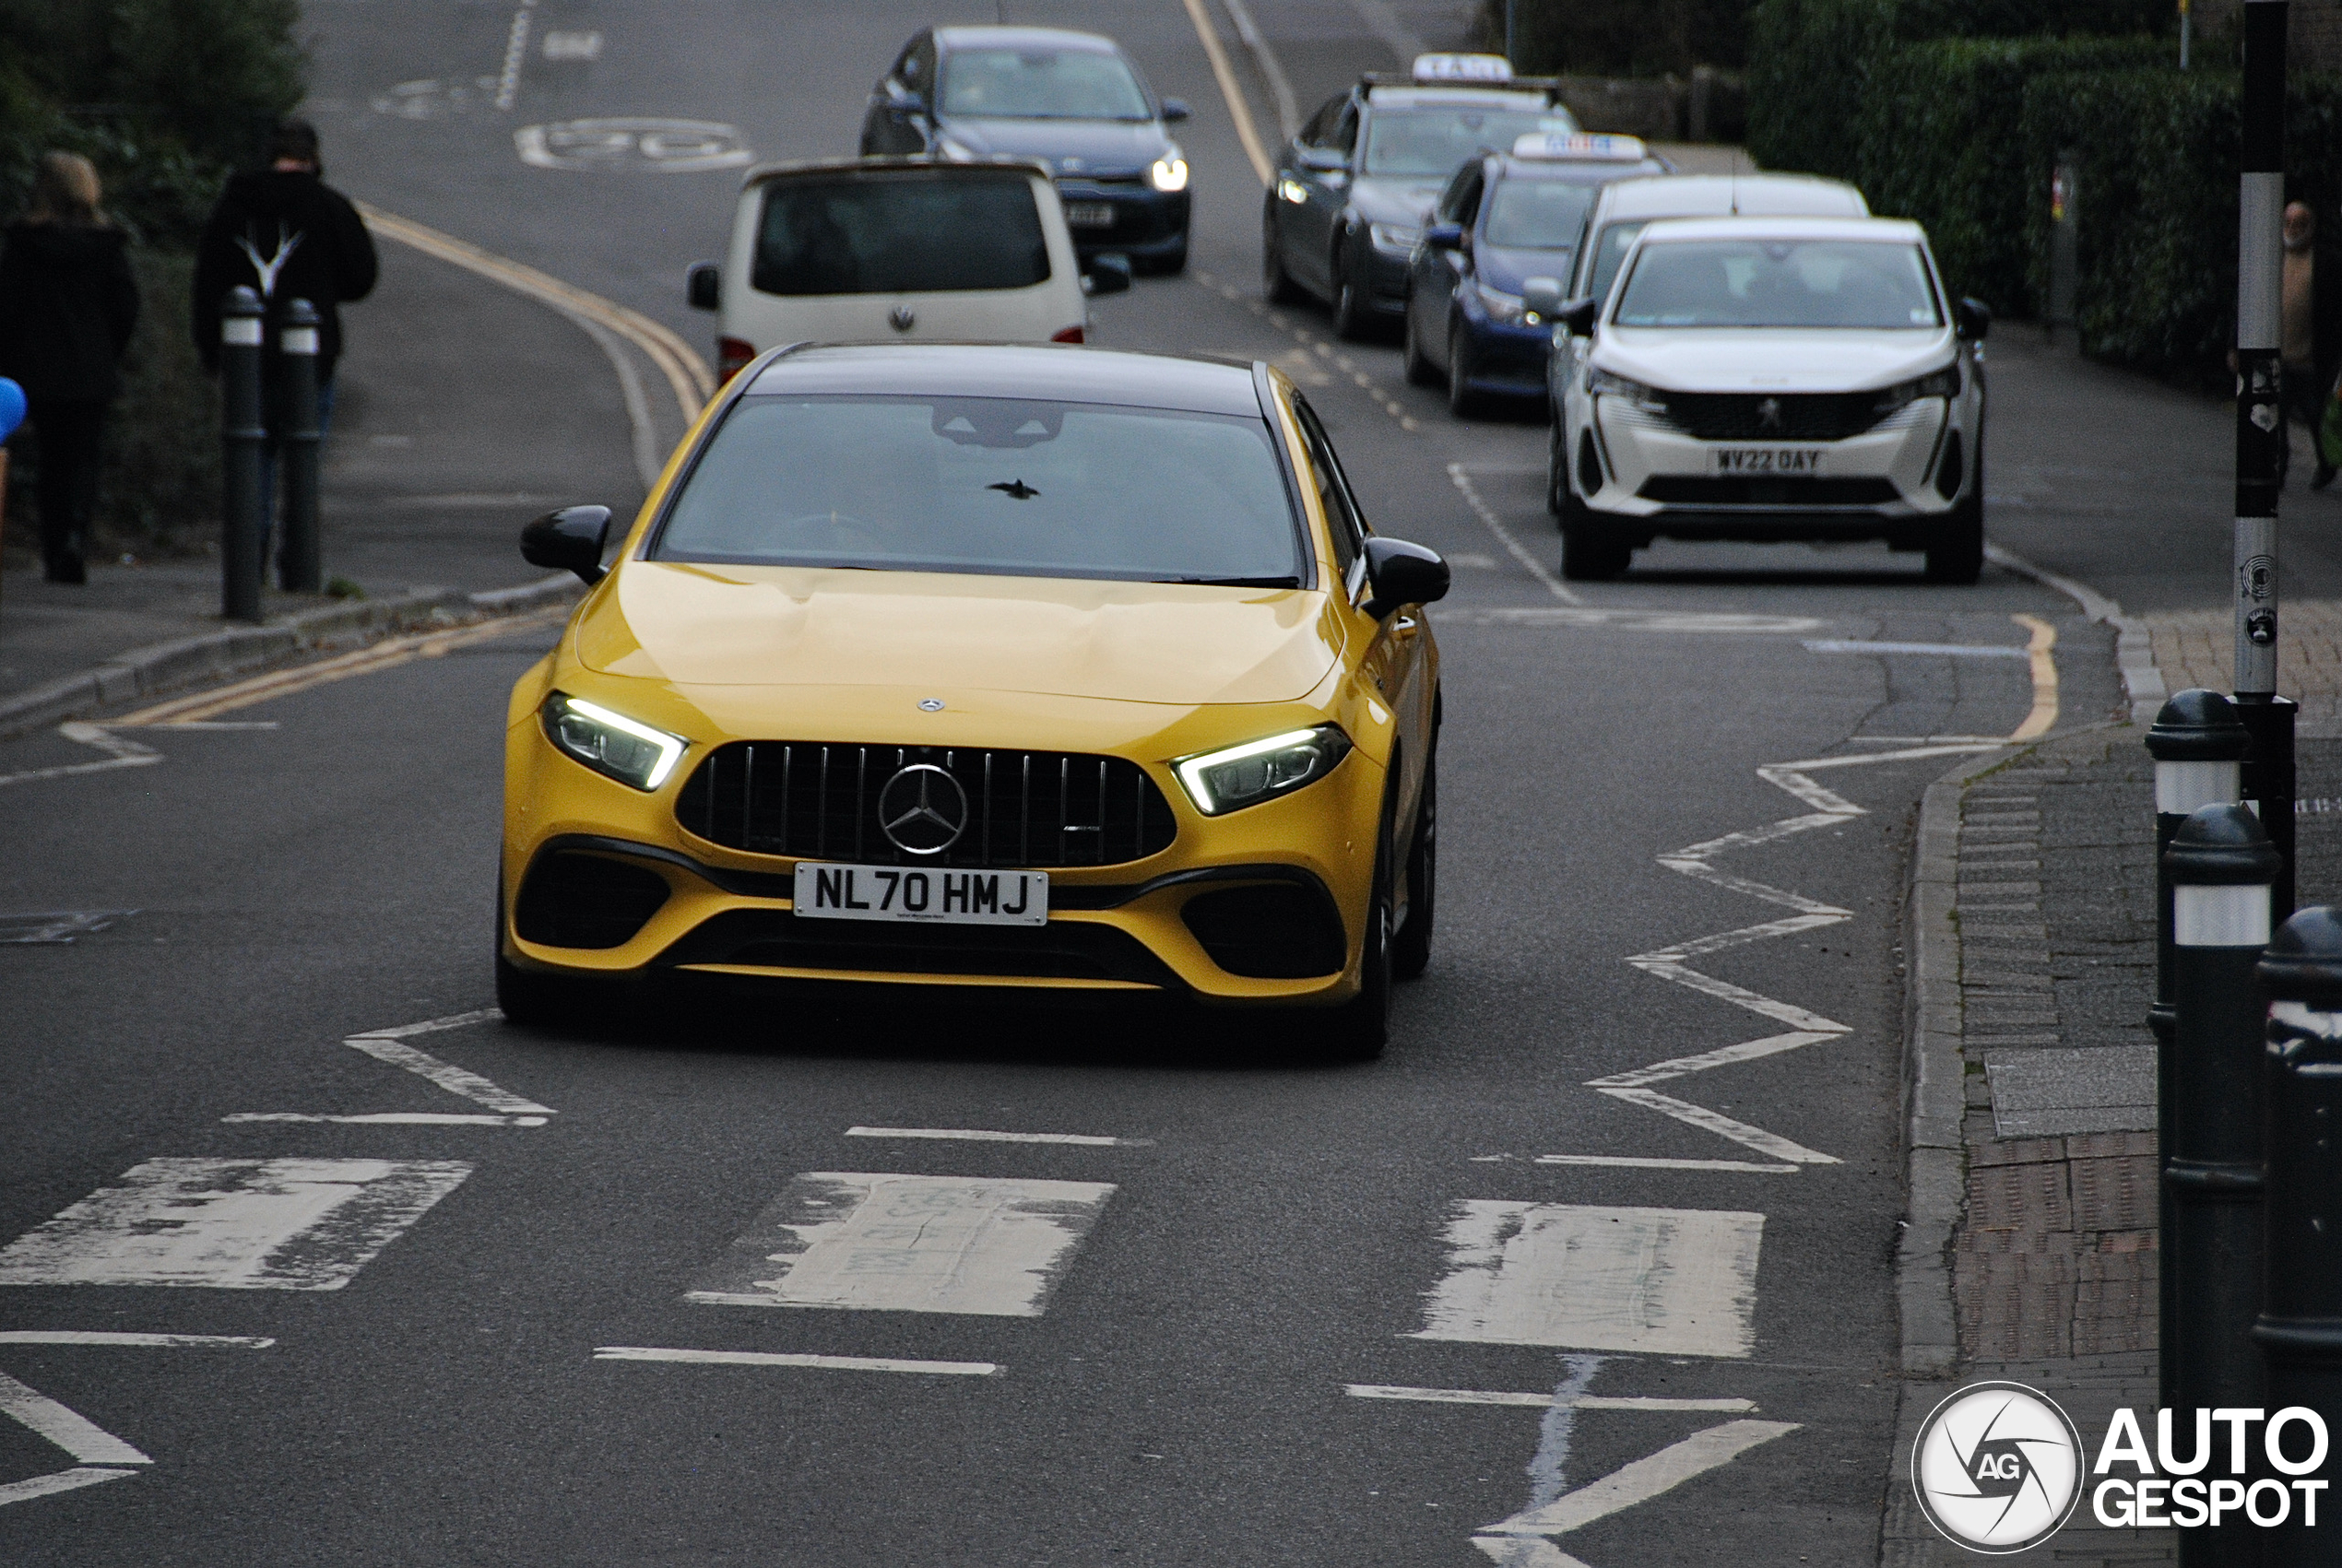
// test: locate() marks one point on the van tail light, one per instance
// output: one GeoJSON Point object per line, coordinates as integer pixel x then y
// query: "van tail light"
{"type": "Point", "coordinates": [1068, 334]}
{"type": "Point", "coordinates": [731, 355]}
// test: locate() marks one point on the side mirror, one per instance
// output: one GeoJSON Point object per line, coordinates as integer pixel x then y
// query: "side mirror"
{"type": "Point", "coordinates": [704, 285]}
{"type": "Point", "coordinates": [569, 540]}
{"type": "Point", "coordinates": [1174, 109]}
{"type": "Point", "coordinates": [1106, 274]}
{"type": "Point", "coordinates": [1541, 296]}
{"type": "Point", "coordinates": [1577, 317]}
{"type": "Point", "coordinates": [1400, 573]}
{"type": "Point", "coordinates": [1973, 319]}
{"type": "Point", "coordinates": [1445, 235]}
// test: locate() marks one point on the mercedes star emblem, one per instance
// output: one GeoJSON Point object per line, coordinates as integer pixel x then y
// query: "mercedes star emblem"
{"type": "Point", "coordinates": [1768, 413]}
{"type": "Point", "coordinates": [922, 810]}
{"type": "Point", "coordinates": [930, 704]}
{"type": "Point", "coordinates": [901, 318]}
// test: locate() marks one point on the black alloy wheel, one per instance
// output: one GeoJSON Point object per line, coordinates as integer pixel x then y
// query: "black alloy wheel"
{"type": "Point", "coordinates": [1956, 555]}
{"type": "Point", "coordinates": [1557, 465]}
{"type": "Point", "coordinates": [1591, 548]}
{"type": "Point", "coordinates": [1357, 1031]}
{"type": "Point", "coordinates": [1350, 312]}
{"type": "Point", "coordinates": [1276, 284]}
{"type": "Point", "coordinates": [1463, 402]}
{"type": "Point", "coordinates": [1420, 371]}
{"type": "Point", "coordinates": [1411, 951]}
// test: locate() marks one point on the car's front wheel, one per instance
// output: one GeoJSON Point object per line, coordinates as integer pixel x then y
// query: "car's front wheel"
{"type": "Point", "coordinates": [1463, 402]}
{"type": "Point", "coordinates": [1411, 949]}
{"type": "Point", "coordinates": [1350, 304]}
{"type": "Point", "coordinates": [1956, 555]}
{"type": "Point", "coordinates": [1357, 1031]}
{"type": "Point", "coordinates": [1592, 549]}
{"type": "Point", "coordinates": [1557, 468]}
{"type": "Point", "coordinates": [1276, 284]}
{"type": "Point", "coordinates": [1419, 369]}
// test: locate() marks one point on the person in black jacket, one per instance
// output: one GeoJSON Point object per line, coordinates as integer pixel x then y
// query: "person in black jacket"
{"type": "Point", "coordinates": [284, 233]}
{"type": "Point", "coordinates": [67, 305]}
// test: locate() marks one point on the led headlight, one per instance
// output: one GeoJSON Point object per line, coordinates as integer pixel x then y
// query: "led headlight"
{"type": "Point", "coordinates": [1239, 776]}
{"type": "Point", "coordinates": [610, 743]}
{"type": "Point", "coordinates": [1649, 399]}
{"type": "Point", "coordinates": [1939, 384]}
{"type": "Point", "coordinates": [1168, 172]}
{"type": "Point", "coordinates": [1398, 239]}
{"type": "Point", "coordinates": [1503, 307]}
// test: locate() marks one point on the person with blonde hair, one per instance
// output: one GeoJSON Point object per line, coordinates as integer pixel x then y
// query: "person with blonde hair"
{"type": "Point", "coordinates": [68, 306]}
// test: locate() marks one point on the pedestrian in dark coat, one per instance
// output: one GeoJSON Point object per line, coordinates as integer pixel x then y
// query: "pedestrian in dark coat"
{"type": "Point", "coordinates": [68, 306]}
{"type": "Point", "coordinates": [287, 235]}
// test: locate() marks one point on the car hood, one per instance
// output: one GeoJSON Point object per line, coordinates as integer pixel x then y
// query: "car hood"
{"type": "Point", "coordinates": [774, 625]}
{"type": "Point", "coordinates": [1098, 147]}
{"type": "Point", "coordinates": [1771, 361]}
{"type": "Point", "coordinates": [1407, 200]}
{"type": "Point", "coordinates": [1506, 268]}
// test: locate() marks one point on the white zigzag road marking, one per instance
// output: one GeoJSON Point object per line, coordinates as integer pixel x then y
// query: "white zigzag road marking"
{"type": "Point", "coordinates": [1671, 962]}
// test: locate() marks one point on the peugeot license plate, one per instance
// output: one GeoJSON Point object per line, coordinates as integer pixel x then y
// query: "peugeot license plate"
{"type": "Point", "coordinates": [1088, 215]}
{"type": "Point", "coordinates": [1804, 461]}
{"type": "Point", "coordinates": [826, 891]}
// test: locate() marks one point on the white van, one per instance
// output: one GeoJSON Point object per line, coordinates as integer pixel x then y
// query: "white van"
{"type": "Point", "coordinates": [883, 250]}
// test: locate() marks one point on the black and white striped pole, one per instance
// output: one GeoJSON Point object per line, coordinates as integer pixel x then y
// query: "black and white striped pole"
{"type": "Point", "coordinates": [244, 438]}
{"type": "Point", "coordinates": [2261, 433]}
{"type": "Point", "coordinates": [2199, 749]}
{"type": "Point", "coordinates": [300, 556]}
{"type": "Point", "coordinates": [2220, 866]}
{"type": "Point", "coordinates": [2299, 1332]}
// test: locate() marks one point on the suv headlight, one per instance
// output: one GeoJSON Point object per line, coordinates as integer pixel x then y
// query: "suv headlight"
{"type": "Point", "coordinates": [1239, 776]}
{"type": "Point", "coordinates": [1938, 384]}
{"type": "Point", "coordinates": [1396, 239]}
{"type": "Point", "coordinates": [1168, 172]}
{"type": "Point", "coordinates": [612, 744]}
{"type": "Point", "coordinates": [1603, 383]}
{"type": "Point", "coordinates": [1503, 307]}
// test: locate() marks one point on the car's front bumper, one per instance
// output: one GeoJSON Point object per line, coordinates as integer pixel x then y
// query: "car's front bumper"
{"type": "Point", "coordinates": [1147, 223]}
{"type": "Point", "coordinates": [573, 837]}
{"type": "Point", "coordinates": [1506, 358]}
{"type": "Point", "coordinates": [1899, 479]}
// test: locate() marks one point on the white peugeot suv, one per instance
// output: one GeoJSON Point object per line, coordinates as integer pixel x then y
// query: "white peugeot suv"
{"type": "Point", "coordinates": [1771, 379]}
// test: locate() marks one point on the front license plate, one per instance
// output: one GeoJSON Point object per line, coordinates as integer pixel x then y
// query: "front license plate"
{"type": "Point", "coordinates": [1800, 460]}
{"type": "Point", "coordinates": [1088, 215]}
{"type": "Point", "coordinates": [830, 891]}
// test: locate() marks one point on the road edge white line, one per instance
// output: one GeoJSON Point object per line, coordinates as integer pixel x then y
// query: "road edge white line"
{"type": "Point", "coordinates": [813, 1362]}
{"type": "Point", "coordinates": [114, 1337]}
{"type": "Point", "coordinates": [1461, 478]}
{"type": "Point", "coordinates": [973, 1135]}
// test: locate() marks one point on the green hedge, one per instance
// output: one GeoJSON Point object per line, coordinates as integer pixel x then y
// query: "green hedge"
{"type": "Point", "coordinates": [1940, 141]}
{"type": "Point", "coordinates": [1814, 64]}
{"type": "Point", "coordinates": [2157, 203]}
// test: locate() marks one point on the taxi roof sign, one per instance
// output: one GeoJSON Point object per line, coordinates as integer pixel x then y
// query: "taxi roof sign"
{"type": "Point", "coordinates": [1581, 146]}
{"type": "Point", "coordinates": [1462, 69]}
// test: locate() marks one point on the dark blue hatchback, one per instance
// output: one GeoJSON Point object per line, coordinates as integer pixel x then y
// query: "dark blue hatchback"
{"type": "Point", "coordinates": [1501, 221]}
{"type": "Point", "coordinates": [1072, 100]}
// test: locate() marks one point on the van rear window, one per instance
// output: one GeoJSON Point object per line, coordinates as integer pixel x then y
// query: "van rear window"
{"type": "Point", "coordinates": [900, 230]}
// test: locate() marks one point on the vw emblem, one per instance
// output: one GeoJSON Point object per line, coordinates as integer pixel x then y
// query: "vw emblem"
{"type": "Point", "coordinates": [922, 810]}
{"type": "Point", "coordinates": [1768, 413]}
{"type": "Point", "coordinates": [901, 318]}
{"type": "Point", "coordinates": [1068, 164]}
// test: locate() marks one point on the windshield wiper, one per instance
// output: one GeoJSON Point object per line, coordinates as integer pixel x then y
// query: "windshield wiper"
{"type": "Point", "coordinates": [1287, 582]}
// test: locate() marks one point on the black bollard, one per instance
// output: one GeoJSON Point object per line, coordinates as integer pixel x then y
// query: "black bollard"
{"type": "Point", "coordinates": [2269, 786]}
{"type": "Point", "coordinates": [2300, 1327]}
{"type": "Point", "coordinates": [242, 437]}
{"type": "Point", "coordinates": [2198, 747]}
{"type": "Point", "coordinates": [2220, 866]}
{"type": "Point", "coordinates": [300, 556]}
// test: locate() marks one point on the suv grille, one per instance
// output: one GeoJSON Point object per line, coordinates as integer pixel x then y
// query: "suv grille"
{"type": "Point", "coordinates": [820, 801]}
{"type": "Point", "coordinates": [1740, 416]}
{"type": "Point", "coordinates": [1678, 489]}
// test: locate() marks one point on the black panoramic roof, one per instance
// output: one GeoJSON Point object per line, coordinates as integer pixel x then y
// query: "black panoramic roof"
{"type": "Point", "coordinates": [1057, 373]}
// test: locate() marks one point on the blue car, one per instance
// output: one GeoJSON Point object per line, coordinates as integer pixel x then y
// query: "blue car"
{"type": "Point", "coordinates": [1072, 100]}
{"type": "Point", "coordinates": [1502, 220]}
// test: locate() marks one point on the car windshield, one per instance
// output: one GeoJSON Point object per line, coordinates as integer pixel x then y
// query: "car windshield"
{"type": "Point", "coordinates": [1539, 215]}
{"type": "Point", "coordinates": [991, 485]}
{"type": "Point", "coordinates": [1041, 84]}
{"type": "Point", "coordinates": [1433, 139]}
{"type": "Point", "coordinates": [1869, 285]}
{"type": "Point", "coordinates": [877, 233]}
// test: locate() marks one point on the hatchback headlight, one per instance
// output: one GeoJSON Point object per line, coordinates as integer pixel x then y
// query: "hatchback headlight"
{"type": "Point", "coordinates": [1503, 307]}
{"type": "Point", "coordinates": [1939, 384]}
{"type": "Point", "coordinates": [612, 744]}
{"type": "Point", "coordinates": [1239, 776]}
{"type": "Point", "coordinates": [1649, 399]}
{"type": "Point", "coordinates": [1168, 172]}
{"type": "Point", "coordinates": [1394, 239]}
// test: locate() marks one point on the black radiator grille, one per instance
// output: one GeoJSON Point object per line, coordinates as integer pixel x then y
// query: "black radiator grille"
{"type": "Point", "coordinates": [1744, 416]}
{"type": "Point", "coordinates": [819, 801]}
{"type": "Point", "coordinates": [1683, 489]}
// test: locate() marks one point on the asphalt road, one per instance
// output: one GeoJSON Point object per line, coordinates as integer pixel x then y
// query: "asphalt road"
{"type": "Point", "coordinates": [1279, 1234]}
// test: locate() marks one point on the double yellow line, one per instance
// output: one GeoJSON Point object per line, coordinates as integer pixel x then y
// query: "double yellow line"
{"type": "Point", "coordinates": [687, 375]}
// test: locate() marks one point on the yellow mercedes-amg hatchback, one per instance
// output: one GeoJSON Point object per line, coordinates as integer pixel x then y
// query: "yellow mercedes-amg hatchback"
{"type": "Point", "coordinates": [985, 667]}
